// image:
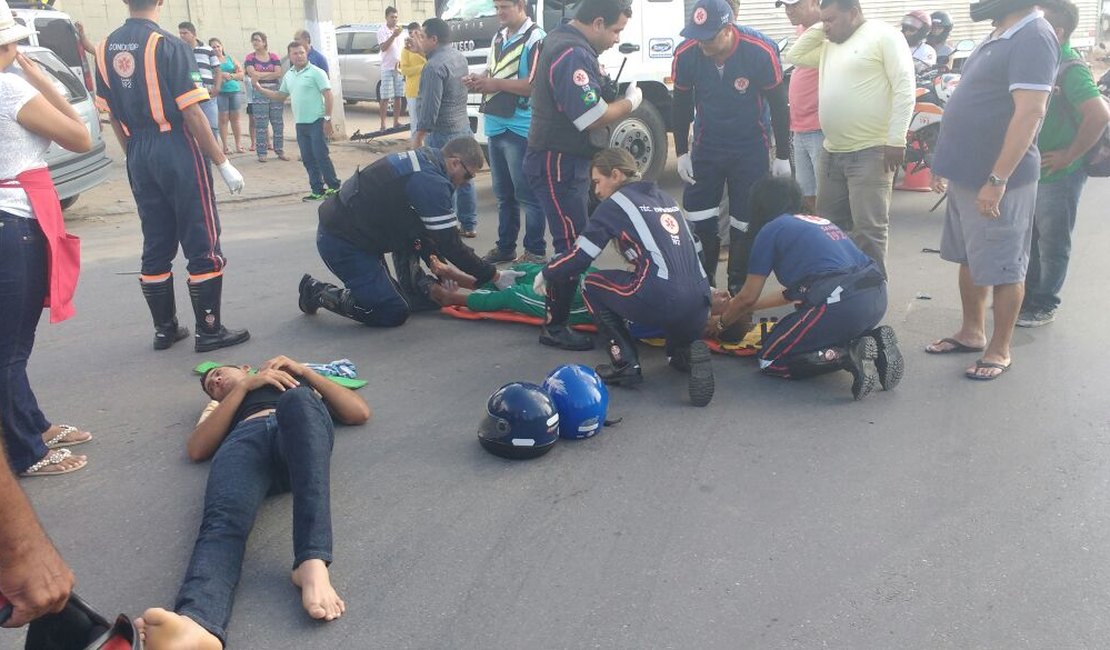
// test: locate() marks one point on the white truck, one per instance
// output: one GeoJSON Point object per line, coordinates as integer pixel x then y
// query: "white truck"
{"type": "Point", "coordinates": [646, 48]}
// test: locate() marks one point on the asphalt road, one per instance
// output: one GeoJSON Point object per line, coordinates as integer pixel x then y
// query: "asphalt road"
{"type": "Point", "coordinates": [945, 514]}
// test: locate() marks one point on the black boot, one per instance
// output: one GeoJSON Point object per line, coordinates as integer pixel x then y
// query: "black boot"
{"type": "Point", "coordinates": [555, 332]}
{"type": "Point", "coordinates": [862, 353]}
{"type": "Point", "coordinates": [857, 358]}
{"type": "Point", "coordinates": [889, 363]}
{"type": "Point", "coordinates": [625, 367]}
{"type": "Point", "coordinates": [413, 282]}
{"type": "Point", "coordinates": [211, 334]}
{"type": "Point", "coordinates": [163, 310]}
{"type": "Point", "coordinates": [710, 248]}
{"type": "Point", "coordinates": [339, 301]}
{"type": "Point", "coordinates": [739, 249]}
{"type": "Point", "coordinates": [309, 289]}
{"type": "Point", "coordinates": [694, 359]}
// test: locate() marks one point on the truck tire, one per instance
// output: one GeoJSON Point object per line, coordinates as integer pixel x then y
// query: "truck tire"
{"type": "Point", "coordinates": [644, 135]}
{"type": "Point", "coordinates": [68, 201]}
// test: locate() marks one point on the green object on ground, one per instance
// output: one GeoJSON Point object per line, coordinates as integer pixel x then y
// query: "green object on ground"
{"type": "Point", "coordinates": [353, 384]}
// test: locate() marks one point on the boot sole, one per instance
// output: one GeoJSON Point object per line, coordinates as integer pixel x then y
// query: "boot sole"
{"type": "Point", "coordinates": [860, 352]}
{"type": "Point", "coordinates": [226, 343]}
{"type": "Point", "coordinates": [702, 384]}
{"type": "Point", "coordinates": [889, 363]}
{"type": "Point", "coordinates": [556, 343]}
{"type": "Point", "coordinates": [302, 303]}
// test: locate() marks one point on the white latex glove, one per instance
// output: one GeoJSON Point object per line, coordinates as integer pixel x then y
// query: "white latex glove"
{"type": "Point", "coordinates": [539, 285]}
{"type": "Point", "coordinates": [633, 94]}
{"type": "Point", "coordinates": [506, 279]}
{"type": "Point", "coordinates": [686, 169]}
{"type": "Point", "coordinates": [231, 176]}
{"type": "Point", "coordinates": [780, 168]}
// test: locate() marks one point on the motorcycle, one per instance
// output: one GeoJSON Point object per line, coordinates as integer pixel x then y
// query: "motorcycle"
{"type": "Point", "coordinates": [934, 89]}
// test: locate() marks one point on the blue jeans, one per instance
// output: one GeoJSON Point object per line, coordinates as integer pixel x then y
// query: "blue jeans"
{"type": "Point", "coordinates": [466, 203]}
{"type": "Point", "coordinates": [807, 151]}
{"type": "Point", "coordinates": [288, 450]}
{"type": "Point", "coordinates": [212, 112]}
{"type": "Point", "coordinates": [378, 299]}
{"type": "Point", "coordinates": [314, 155]}
{"type": "Point", "coordinates": [506, 166]}
{"type": "Point", "coordinates": [1053, 222]}
{"type": "Point", "coordinates": [22, 290]}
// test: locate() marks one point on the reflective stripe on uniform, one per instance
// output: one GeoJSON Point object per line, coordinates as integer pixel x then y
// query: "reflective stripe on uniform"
{"type": "Point", "coordinates": [742, 226]}
{"type": "Point", "coordinates": [642, 230]}
{"type": "Point", "coordinates": [702, 215]}
{"type": "Point", "coordinates": [153, 90]}
{"type": "Point", "coordinates": [587, 246]}
{"type": "Point", "coordinates": [414, 160]}
{"type": "Point", "coordinates": [441, 222]}
{"type": "Point", "coordinates": [194, 96]}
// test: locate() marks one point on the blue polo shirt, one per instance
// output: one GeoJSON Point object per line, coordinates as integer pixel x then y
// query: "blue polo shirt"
{"type": "Point", "coordinates": [1024, 57]}
{"type": "Point", "coordinates": [522, 118]}
{"type": "Point", "coordinates": [319, 60]}
{"type": "Point", "coordinates": [798, 246]}
{"type": "Point", "coordinates": [731, 116]}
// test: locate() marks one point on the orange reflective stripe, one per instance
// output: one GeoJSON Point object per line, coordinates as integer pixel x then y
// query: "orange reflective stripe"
{"type": "Point", "coordinates": [153, 91]}
{"type": "Point", "coordinates": [161, 277]}
{"type": "Point", "coordinates": [194, 96]}
{"type": "Point", "coordinates": [197, 279]}
{"type": "Point", "coordinates": [101, 47]}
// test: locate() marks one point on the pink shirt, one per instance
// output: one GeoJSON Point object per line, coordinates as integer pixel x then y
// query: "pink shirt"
{"type": "Point", "coordinates": [803, 99]}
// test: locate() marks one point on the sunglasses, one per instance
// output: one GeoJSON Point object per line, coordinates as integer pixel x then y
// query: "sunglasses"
{"type": "Point", "coordinates": [469, 176]}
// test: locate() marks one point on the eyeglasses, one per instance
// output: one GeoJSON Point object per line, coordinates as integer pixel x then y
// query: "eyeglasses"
{"type": "Point", "coordinates": [469, 174]}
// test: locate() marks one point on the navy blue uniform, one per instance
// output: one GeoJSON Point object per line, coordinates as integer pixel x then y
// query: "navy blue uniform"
{"type": "Point", "coordinates": [839, 292]}
{"type": "Point", "coordinates": [667, 287]}
{"type": "Point", "coordinates": [731, 136]}
{"type": "Point", "coordinates": [401, 204]}
{"type": "Point", "coordinates": [146, 77]}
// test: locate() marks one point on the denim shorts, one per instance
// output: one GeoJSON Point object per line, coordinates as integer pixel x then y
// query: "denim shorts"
{"type": "Point", "coordinates": [229, 102]}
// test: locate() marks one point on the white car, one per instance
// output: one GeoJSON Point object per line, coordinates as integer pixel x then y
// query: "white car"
{"type": "Point", "coordinates": [55, 31]}
{"type": "Point", "coordinates": [360, 62]}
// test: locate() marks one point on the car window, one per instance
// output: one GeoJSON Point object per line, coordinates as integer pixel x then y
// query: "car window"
{"type": "Point", "coordinates": [26, 41]}
{"type": "Point", "coordinates": [70, 86]}
{"type": "Point", "coordinates": [364, 43]}
{"type": "Point", "coordinates": [58, 34]}
{"type": "Point", "coordinates": [343, 43]}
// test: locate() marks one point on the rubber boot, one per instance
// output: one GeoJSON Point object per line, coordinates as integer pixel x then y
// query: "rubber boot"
{"type": "Point", "coordinates": [556, 332]}
{"type": "Point", "coordinates": [889, 362]}
{"type": "Point", "coordinates": [739, 248]}
{"type": "Point", "coordinates": [163, 310]}
{"type": "Point", "coordinates": [710, 249]}
{"type": "Point", "coordinates": [413, 282]}
{"type": "Point", "coordinates": [309, 291]}
{"type": "Point", "coordinates": [339, 301]}
{"type": "Point", "coordinates": [862, 353]}
{"type": "Point", "coordinates": [624, 369]}
{"type": "Point", "coordinates": [211, 334]}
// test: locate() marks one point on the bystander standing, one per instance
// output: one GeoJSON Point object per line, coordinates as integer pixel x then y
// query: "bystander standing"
{"type": "Point", "coordinates": [392, 85]}
{"type": "Point", "coordinates": [412, 64]}
{"type": "Point", "coordinates": [264, 67]}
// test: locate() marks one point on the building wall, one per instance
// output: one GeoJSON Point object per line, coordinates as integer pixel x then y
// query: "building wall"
{"type": "Point", "coordinates": [232, 21]}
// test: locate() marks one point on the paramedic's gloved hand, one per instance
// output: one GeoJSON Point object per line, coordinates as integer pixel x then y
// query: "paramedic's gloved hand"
{"type": "Point", "coordinates": [686, 169]}
{"type": "Point", "coordinates": [505, 279]}
{"type": "Point", "coordinates": [231, 176]}
{"type": "Point", "coordinates": [539, 285]}
{"type": "Point", "coordinates": [634, 95]}
{"type": "Point", "coordinates": [780, 168]}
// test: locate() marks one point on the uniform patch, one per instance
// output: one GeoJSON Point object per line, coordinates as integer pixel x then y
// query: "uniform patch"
{"type": "Point", "coordinates": [124, 64]}
{"type": "Point", "coordinates": [669, 223]}
{"type": "Point", "coordinates": [580, 77]}
{"type": "Point", "coordinates": [820, 221]}
{"type": "Point", "coordinates": [195, 76]}
{"type": "Point", "coordinates": [589, 97]}
{"type": "Point", "coordinates": [741, 84]}
{"type": "Point", "coordinates": [700, 16]}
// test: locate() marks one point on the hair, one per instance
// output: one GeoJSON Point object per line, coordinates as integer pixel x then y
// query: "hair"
{"type": "Point", "coordinates": [413, 25]}
{"type": "Point", "coordinates": [844, 5]}
{"type": "Point", "coordinates": [608, 10]}
{"type": "Point", "coordinates": [188, 26]}
{"type": "Point", "coordinates": [390, 10]}
{"type": "Point", "coordinates": [606, 160]}
{"type": "Point", "coordinates": [294, 44]}
{"type": "Point", "coordinates": [261, 35]}
{"type": "Point", "coordinates": [438, 28]}
{"type": "Point", "coordinates": [215, 40]}
{"type": "Point", "coordinates": [1061, 14]}
{"type": "Point", "coordinates": [204, 377]}
{"type": "Point", "coordinates": [303, 34]}
{"type": "Point", "coordinates": [141, 5]}
{"type": "Point", "coordinates": [771, 197]}
{"type": "Point", "coordinates": [466, 149]}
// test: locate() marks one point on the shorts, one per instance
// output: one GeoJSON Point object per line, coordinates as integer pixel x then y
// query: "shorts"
{"type": "Point", "coordinates": [229, 102]}
{"type": "Point", "coordinates": [393, 85]}
{"type": "Point", "coordinates": [807, 151]}
{"type": "Point", "coordinates": [996, 251]}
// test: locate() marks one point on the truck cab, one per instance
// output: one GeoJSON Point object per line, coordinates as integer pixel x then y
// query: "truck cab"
{"type": "Point", "coordinates": [646, 48]}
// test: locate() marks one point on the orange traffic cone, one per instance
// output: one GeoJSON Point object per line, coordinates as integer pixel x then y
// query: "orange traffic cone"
{"type": "Point", "coordinates": [915, 177]}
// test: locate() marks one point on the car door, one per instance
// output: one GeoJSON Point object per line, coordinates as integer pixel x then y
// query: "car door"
{"type": "Point", "coordinates": [360, 77]}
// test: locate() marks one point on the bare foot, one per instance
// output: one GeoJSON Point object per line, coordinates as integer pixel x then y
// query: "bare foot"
{"type": "Point", "coordinates": [163, 630]}
{"type": "Point", "coordinates": [317, 595]}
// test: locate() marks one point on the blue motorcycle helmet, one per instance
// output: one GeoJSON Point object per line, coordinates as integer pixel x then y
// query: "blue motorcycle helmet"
{"type": "Point", "coordinates": [521, 422]}
{"type": "Point", "coordinates": [581, 399]}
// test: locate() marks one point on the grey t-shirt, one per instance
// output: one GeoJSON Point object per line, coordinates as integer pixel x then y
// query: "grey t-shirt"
{"type": "Point", "coordinates": [1023, 57]}
{"type": "Point", "coordinates": [442, 93]}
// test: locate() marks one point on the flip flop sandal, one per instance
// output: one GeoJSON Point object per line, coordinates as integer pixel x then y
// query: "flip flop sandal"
{"type": "Point", "coordinates": [56, 457]}
{"type": "Point", "coordinates": [63, 440]}
{"type": "Point", "coordinates": [980, 365]}
{"type": "Point", "coordinates": [956, 347]}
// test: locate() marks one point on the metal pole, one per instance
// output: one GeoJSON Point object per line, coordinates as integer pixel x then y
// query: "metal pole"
{"type": "Point", "coordinates": [317, 18]}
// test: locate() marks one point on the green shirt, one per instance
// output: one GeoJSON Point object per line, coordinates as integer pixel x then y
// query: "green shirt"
{"type": "Point", "coordinates": [1061, 122]}
{"type": "Point", "coordinates": [305, 88]}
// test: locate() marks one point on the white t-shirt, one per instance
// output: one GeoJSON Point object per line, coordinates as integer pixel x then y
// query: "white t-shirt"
{"type": "Point", "coordinates": [20, 149]}
{"type": "Point", "coordinates": [391, 57]}
{"type": "Point", "coordinates": [924, 57]}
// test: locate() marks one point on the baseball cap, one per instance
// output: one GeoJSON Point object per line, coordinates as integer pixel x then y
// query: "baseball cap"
{"type": "Point", "coordinates": [779, 3]}
{"type": "Point", "coordinates": [707, 18]}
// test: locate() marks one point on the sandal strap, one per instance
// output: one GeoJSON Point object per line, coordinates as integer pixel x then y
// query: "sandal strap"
{"type": "Point", "coordinates": [53, 458]}
{"type": "Point", "coordinates": [65, 430]}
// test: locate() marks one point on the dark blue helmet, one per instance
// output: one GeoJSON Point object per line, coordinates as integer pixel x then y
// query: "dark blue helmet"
{"type": "Point", "coordinates": [581, 399]}
{"type": "Point", "coordinates": [521, 422]}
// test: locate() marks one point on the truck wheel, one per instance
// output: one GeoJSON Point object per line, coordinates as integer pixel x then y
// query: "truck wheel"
{"type": "Point", "coordinates": [644, 135]}
{"type": "Point", "coordinates": [67, 202]}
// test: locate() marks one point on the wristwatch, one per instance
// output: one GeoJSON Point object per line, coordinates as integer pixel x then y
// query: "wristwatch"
{"type": "Point", "coordinates": [327, 118]}
{"type": "Point", "coordinates": [995, 181]}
